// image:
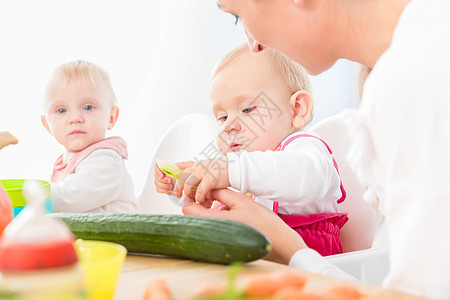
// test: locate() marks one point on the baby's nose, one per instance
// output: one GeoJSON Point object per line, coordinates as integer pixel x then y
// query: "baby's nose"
{"type": "Point", "coordinates": [233, 125]}
{"type": "Point", "coordinates": [76, 117]}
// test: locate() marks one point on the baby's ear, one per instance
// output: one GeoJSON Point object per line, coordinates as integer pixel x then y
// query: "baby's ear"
{"type": "Point", "coordinates": [113, 117]}
{"type": "Point", "coordinates": [301, 104]}
{"type": "Point", "coordinates": [44, 122]}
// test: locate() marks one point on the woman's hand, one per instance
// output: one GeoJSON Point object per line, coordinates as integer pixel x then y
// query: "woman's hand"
{"type": "Point", "coordinates": [239, 207]}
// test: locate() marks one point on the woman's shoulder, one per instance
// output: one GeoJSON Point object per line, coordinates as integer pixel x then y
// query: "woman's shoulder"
{"type": "Point", "coordinates": [420, 39]}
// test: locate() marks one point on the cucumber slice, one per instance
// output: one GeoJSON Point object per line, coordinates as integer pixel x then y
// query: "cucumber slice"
{"type": "Point", "coordinates": [170, 169]}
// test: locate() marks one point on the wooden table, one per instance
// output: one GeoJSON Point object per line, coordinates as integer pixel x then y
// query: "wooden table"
{"type": "Point", "coordinates": [185, 277]}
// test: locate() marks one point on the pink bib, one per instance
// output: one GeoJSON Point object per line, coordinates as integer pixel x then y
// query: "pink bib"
{"type": "Point", "coordinates": [67, 162]}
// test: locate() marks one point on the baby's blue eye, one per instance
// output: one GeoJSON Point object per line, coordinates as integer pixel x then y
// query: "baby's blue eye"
{"type": "Point", "coordinates": [249, 110]}
{"type": "Point", "coordinates": [222, 119]}
{"type": "Point", "coordinates": [88, 107]}
{"type": "Point", "coordinates": [61, 110]}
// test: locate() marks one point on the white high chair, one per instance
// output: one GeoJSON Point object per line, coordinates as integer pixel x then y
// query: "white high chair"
{"type": "Point", "coordinates": [186, 139]}
{"type": "Point", "coordinates": [361, 259]}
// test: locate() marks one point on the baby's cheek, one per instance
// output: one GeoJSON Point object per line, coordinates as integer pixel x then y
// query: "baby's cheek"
{"type": "Point", "coordinates": [223, 148]}
{"type": "Point", "coordinates": [261, 144]}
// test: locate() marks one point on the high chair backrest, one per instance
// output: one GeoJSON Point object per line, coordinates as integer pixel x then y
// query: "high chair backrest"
{"type": "Point", "coordinates": [362, 259]}
{"type": "Point", "coordinates": [358, 232]}
{"type": "Point", "coordinates": [187, 139]}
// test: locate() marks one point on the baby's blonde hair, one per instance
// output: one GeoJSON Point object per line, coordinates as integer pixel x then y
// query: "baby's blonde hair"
{"type": "Point", "coordinates": [81, 69]}
{"type": "Point", "coordinates": [291, 73]}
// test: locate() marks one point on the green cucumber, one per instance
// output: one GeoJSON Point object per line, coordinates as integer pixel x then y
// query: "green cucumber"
{"type": "Point", "coordinates": [197, 238]}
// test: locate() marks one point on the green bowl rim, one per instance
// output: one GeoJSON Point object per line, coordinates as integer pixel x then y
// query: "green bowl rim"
{"type": "Point", "coordinates": [13, 189]}
{"type": "Point", "coordinates": [21, 202]}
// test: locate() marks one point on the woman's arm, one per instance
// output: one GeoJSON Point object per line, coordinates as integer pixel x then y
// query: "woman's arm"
{"type": "Point", "coordinates": [285, 241]}
{"type": "Point", "coordinates": [287, 245]}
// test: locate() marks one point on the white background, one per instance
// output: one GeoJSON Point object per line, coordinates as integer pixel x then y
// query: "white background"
{"type": "Point", "coordinates": [159, 55]}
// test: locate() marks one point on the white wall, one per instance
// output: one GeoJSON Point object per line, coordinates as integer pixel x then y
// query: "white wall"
{"type": "Point", "coordinates": [159, 55]}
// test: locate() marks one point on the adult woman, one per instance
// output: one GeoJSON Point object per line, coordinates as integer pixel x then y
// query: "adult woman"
{"type": "Point", "coordinates": [401, 149]}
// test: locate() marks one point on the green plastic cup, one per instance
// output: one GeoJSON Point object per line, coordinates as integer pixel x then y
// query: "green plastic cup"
{"type": "Point", "coordinates": [14, 188]}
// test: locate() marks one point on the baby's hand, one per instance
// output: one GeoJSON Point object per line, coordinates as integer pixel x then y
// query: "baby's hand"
{"type": "Point", "coordinates": [203, 177]}
{"type": "Point", "coordinates": [165, 183]}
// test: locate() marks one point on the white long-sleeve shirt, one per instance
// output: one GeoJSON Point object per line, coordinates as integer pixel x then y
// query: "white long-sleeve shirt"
{"type": "Point", "coordinates": [302, 177]}
{"type": "Point", "coordinates": [402, 152]}
{"type": "Point", "coordinates": [100, 183]}
{"type": "Point", "coordinates": [403, 146]}
{"type": "Point", "coordinates": [310, 260]}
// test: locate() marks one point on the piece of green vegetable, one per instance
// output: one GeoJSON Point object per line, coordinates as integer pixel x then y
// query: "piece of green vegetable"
{"type": "Point", "coordinates": [170, 169]}
{"type": "Point", "coordinates": [197, 238]}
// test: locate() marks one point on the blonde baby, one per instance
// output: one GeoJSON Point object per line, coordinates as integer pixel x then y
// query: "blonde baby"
{"type": "Point", "coordinates": [262, 103]}
{"type": "Point", "coordinates": [79, 108]}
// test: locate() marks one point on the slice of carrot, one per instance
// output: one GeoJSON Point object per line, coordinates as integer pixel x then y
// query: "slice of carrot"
{"type": "Point", "coordinates": [157, 289]}
{"type": "Point", "coordinates": [344, 292]}
{"type": "Point", "coordinates": [209, 290]}
{"type": "Point", "coordinates": [266, 285]}
{"type": "Point", "coordinates": [289, 293]}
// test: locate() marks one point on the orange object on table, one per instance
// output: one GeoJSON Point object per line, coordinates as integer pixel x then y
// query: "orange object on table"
{"type": "Point", "coordinates": [267, 285]}
{"type": "Point", "coordinates": [184, 278]}
{"type": "Point", "coordinates": [157, 289]}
